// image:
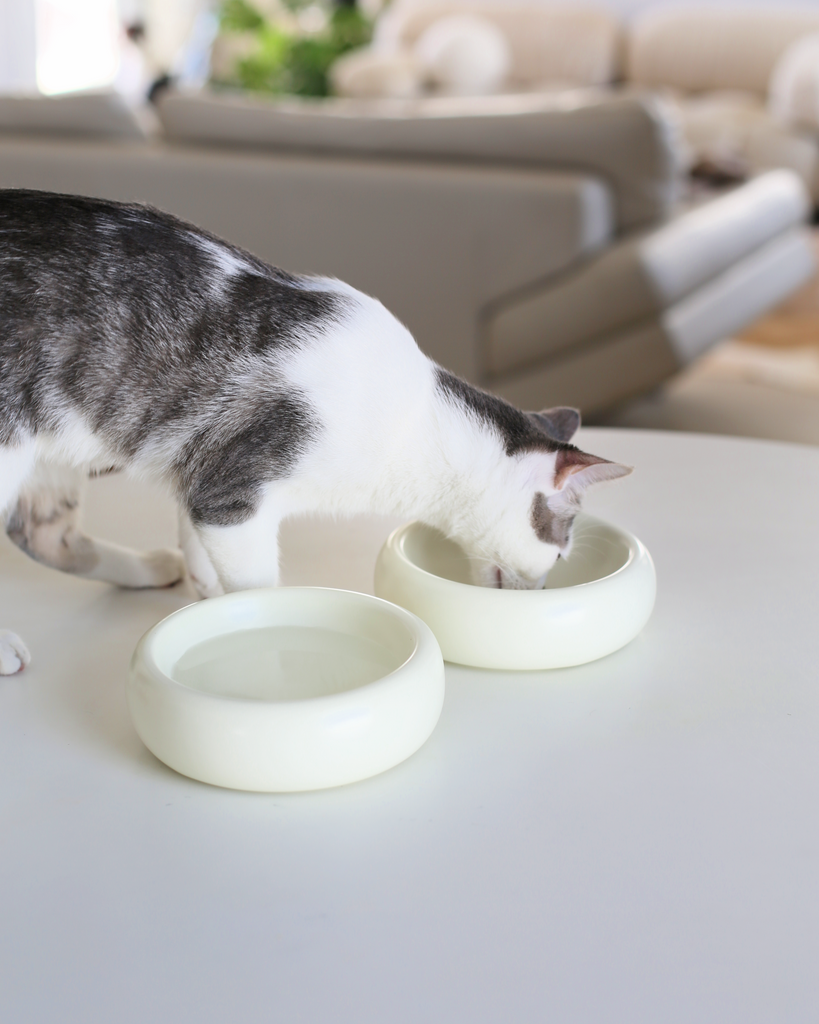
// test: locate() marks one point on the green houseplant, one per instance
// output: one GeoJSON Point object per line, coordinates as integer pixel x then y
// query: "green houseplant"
{"type": "Point", "coordinates": [290, 52]}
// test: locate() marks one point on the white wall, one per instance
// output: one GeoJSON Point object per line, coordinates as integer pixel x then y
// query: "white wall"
{"type": "Point", "coordinates": [630, 7]}
{"type": "Point", "coordinates": [18, 52]}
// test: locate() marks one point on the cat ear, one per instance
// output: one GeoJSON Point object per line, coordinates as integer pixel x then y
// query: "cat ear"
{"type": "Point", "coordinates": [561, 423]}
{"type": "Point", "coordinates": [576, 470]}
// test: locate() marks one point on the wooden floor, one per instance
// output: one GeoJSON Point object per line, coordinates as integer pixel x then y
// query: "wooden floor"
{"type": "Point", "coordinates": [793, 324]}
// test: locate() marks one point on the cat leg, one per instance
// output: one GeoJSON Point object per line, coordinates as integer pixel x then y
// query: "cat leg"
{"type": "Point", "coordinates": [202, 574]}
{"type": "Point", "coordinates": [244, 556]}
{"type": "Point", "coordinates": [16, 462]}
{"type": "Point", "coordinates": [45, 525]}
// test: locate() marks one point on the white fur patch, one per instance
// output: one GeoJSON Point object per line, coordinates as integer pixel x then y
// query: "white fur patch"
{"type": "Point", "coordinates": [74, 444]}
{"type": "Point", "coordinates": [227, 264]}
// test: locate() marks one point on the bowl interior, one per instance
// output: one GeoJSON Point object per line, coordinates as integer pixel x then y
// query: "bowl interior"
{"type": "Point", "coordinates": [281, 645]}
{"type": "Point", "coordinates": [598, 550]}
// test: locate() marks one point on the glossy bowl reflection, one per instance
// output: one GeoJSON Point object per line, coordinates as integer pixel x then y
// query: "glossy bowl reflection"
{"type": "Point", "coordinates": [595, 602]}
{"type": "Point", "coordinates": [287, 689]}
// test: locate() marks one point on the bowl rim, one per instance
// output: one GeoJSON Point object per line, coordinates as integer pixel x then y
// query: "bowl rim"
{"type": "Point", "coordinates": [144, 656]}
{"type": "Point", "coordinates": [636, 549]}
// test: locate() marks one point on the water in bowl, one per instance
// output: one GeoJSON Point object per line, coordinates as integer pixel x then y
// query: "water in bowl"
{"type": "Point", "coordinates": [282, 663]}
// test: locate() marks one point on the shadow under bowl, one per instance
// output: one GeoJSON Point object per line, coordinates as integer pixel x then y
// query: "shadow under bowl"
{"type": "Point", "coordinates": [286, 689]}
{"type": "Point", "coordinates": [595, 601]}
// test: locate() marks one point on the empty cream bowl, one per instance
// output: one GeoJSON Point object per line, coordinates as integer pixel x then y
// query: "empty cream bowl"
{"type": "Point", "coordinates": [286, 689]}
{"type": "Point", "coordinates": [595, 601]}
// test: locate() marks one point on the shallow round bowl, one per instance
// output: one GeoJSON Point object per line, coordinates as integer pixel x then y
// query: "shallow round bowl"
{"type": "Point", "coordinates": [286, 689]}
{"type": "Point", "coordinates": [595, 601]}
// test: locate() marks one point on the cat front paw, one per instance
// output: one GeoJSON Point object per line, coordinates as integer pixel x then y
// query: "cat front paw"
{"type": "Point", "coordinates": [163, 568]}
{"type": "Point", "coordinates": [208, 587]}
{"type": "Point", "coordinates": [14, 655]}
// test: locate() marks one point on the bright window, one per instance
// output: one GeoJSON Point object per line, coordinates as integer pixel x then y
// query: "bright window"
{"type": "Point", "coordinates": [77, 44]}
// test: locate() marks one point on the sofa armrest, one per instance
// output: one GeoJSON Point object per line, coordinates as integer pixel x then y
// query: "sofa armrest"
{"type": "Point", "coordinates": [625, 140]}
{"type": "Point", "coordinates": [670, 268]}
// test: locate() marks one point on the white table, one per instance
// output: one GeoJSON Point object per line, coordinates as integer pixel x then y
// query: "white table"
{"type": "Point", "coordinates": [636, 840]}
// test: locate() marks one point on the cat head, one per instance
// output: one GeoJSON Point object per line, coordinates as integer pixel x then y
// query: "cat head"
{"type": "Point", "coordinates": [519, 484]}
{"type": "Point", "coordinates": [527, 520]}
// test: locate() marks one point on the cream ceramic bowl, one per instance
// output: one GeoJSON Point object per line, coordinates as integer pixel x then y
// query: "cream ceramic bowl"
{"type": "Point", "coordinates": [286, 689]}
{"type": "Point", "coordinates": [595, 601]}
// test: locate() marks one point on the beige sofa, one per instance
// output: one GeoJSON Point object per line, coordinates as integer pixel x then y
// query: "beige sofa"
{"type": "Point", "coordinates": [715, 66]}
{"type": "Point", "coordinates": [535, 247]}
{"type": "Point", "coordinates": [719, 68]}
{"type": "Point", "coordinates": [569, 44]}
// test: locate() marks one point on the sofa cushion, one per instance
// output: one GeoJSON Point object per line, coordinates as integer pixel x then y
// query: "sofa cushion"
{"type": "Point", "coordinates": [595, 377]}
{"type": "Point", "coordinates": [699, 49]}
{"type": "Point", "coordinates": [741, 294]}
{"type": "Point", "coordinates": [624, 363]}
{"type": "Point", "coordinates": [623, 140]}
{"type": "Point", "coordinates": [103, 113]}
{"type": "Point", "coordinates": [575, 46]}
{"type": "Point", "coordinates": [794, 89]}
{"type": "Point", "coordinates": [643, 276]}
{"type": "Point", "coordinates": [694, 248]}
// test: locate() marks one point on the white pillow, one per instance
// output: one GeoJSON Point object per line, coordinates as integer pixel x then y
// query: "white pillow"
{"type": "Point", "coordinates": [464, 54]}
{"type": "Point", "coordinates": [793, 91]}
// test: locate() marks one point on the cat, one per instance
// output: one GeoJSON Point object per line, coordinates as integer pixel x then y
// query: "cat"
{"type": "Point", "coordinates": [133, 340]}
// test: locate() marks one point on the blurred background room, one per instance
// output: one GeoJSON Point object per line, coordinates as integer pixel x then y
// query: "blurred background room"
{"type": "Point", "coordinates": [606, 204]}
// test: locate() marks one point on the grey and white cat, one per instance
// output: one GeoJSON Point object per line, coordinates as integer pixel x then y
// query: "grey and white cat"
{"type": "Point", "coordinates": [133, 340]}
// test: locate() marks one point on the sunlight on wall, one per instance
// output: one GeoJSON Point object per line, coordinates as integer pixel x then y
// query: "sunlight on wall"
{"type": "Point", "coordinates": [77, 44]}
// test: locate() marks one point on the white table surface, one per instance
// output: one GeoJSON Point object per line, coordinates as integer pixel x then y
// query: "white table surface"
{"type": "Point", "coordinates": [635, 840]}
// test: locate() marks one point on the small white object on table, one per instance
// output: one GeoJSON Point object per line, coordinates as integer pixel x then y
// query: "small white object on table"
{"type": "Point", "coordinates": [636, 839]}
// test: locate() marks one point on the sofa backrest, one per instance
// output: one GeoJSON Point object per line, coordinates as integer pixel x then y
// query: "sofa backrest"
{"type": "Point", "coordinates": [701, 49]}
{"type": "Point", "coordinates": [575, 45]}
{"type": "Point", "coordinates": [624, 141]}
{"type": "Point", "coordinates": [102, 113]}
